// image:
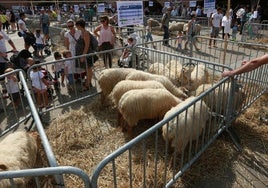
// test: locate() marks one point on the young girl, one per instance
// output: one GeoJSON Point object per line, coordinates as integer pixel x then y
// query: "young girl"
{"type": "Point", "coordinates": [58, 68]}
{"type": "Point", "coordinates": [69, 69]}
{"type": "Point", "coordinates": [39, 84]}
{"type": "Point", "coordinates": [39, 43]}
{"type": "Point", "coordinates": [179, 40]}
{"type": "Point", "coordinates": [13, 88]}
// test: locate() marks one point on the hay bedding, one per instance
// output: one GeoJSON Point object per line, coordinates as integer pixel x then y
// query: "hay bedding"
{"type": "Point", "coordinates": [82, 138]}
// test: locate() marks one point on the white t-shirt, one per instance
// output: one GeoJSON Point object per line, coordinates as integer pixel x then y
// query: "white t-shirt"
{"type": "Point", "coordinates": [226, 23]}
{"type": "Point", "coordinates": [70, 65]}
{"type": "Point", "coordinates": [3, 48]}
{"type": "Point", "coordinates": [22, 25]}
{"type": "Point", "coordinates": [36, 78]}
{"type": "Point", "coordinates": [72, 40]}
{"type": "Point", "coordinates": [216, 19]}
{"type": "Point", "coordinates": [12, 86]}
{"type": "Point", "coordinates": [40, 39]}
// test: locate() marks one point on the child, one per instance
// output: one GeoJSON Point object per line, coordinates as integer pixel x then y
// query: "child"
{"type": "Point", "coordinates": [69, 69]}
{"type": "Point", "coordinates": [58, 68]}
{"type": "Point", "coordinates": [148, 30]}
{"type": "Point", "coordinates": [13, 88]}
{"type": "Point", "coordinates": [179, 40]}
{"type": "Point", "coordinates": [39, 43]}
{"type": "Point", "coordinates": [234, 31]}
{"type": "Point", "coordinates": [40, 85]}
{"type": "Point", "coordinates": [125, 58]}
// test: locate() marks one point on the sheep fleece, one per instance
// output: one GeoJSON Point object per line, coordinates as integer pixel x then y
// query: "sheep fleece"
{"type": "Point", "coordinates": [190, 124]}
{"type": "Point", "coordinates": [17, 151]}
{"type": "Point", "coordinates": [139, 104]}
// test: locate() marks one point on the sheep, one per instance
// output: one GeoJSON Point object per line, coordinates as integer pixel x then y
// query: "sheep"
{"type": "Point", "coordinates": [187, 126]}
{"type": "Point", "coordinates": [161, 69]}
{"type": "Point", "coordinates": [138, 104]}
{"type": "Point", "coordinates": [17, 151]}
{"type": "Point", "coordinates": [126, 85]}
{"type": "Point", "coordinates": [199, 76]}
{"type": "Point", "coordinates": [217, 99]}
{"type": "Point", "coordinates": [176, 26]}
{"type": "Point", "coordinates": [140, 75]}
{"type": "Point", "coordinates": [109, 78]}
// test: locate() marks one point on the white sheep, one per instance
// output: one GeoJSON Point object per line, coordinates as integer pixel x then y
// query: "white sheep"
{"type": "Point", "coordinates": [18, 151]}
{"type": "Point", "coordinates": [217, 99]}
{"type": "Point", "coordinates": [187, 126]}
{"type": "Point", "coordinates": [138, 104]}
{"type": "Point", "coordinates": [199, 76]}
{"type": "Point", "coordinates": [126, 85]}
{"type": "Point", "coordinates": [140, 75]}
{"type": "Point", "coordinates": [109, 78]}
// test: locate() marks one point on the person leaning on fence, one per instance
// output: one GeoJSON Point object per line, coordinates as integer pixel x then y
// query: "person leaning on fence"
{"type": "Point", "coordinates": [247, 66]}
{"type": "Point", "coordinates": [83, 47]}
{"type": "Point", "coordinates": [191, 32]}
{"type": "Point", "coordinates": [106, 36]}
{"type": "Point", "coordinates": [39, 85]}
{"type": "Point", "coordinates": [3, 55]}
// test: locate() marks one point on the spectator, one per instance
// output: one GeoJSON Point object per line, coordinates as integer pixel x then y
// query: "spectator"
{"type": "Point", "coordinates": [58, 68]}
{"type": "Point", "coordinates": [69, 69]}
{"type": "Point", "coordinates": [191, 32]}
{"type": "Point", "coordinates": [5, 21]}
{"type": "Point", "coordinates": [71, 37]}
{"type": "Point", "coordinates": [106, 35]}
{"type": "Point", "coordinates": [234, 31]}
{"type": "Point", "coordinates": [226, 26]}
{"type": "Point", "coordinates": [23, 29]}
{"type": "Point", "coordinates": [243, 19]}
{"type": "Point", "coordinates": [39, 43]}
{"type": "Point", "coordinates": [44, 23]}
{"type": "Point", "coordinates": [148, 32]}
{"type": "Point", "coordinates": [40, 85]}
{"type": "Point", "coordinates": [179, 40]}
{"type": "Point", "coordinates": [215, 22]}
{"type": "Point", "coordinates": [83, 47]}
{"type": "Point", "coordinates": [248, 66]}
{"type": "Point", "coordinates": [12, 20]}
{"type": "Point", "coordinates": [165, 25]}
{"type": "Point", "coordinates": [3, 49]}
{"type": "Point", "coordinates": [13, 88]}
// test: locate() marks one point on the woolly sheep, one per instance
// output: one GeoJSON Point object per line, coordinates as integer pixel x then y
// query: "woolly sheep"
{"type": "Point", "coordinates": [138, 104]}
{"type": "Point", "coordinates": [126, 85]}
{"type": "Point", "coordinates": [198, 76]}
{"type": "Point", "coordinates": [140, 75]}
{"type": "Point", "coordinates": [17, 151]}
{"type": "Point", "coordinates": [187, 126]}
{"type": "Point", "coordinates": [176, 26]}
{"type": "Point", "coordinates": [109, 78]}
{"type": "Point", "coordinates": [217, 99]}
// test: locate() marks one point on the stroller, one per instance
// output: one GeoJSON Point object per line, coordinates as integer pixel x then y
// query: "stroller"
{"type": "Point", "coordinates": [131, 55]}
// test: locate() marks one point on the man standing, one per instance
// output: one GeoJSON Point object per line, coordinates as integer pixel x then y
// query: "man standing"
{"type": "Point", "coordinates": [44, 23]}
{"type": "Point", "coordinates": [165, 25]}
{"type": "Point", "coordinates": [215, 22]}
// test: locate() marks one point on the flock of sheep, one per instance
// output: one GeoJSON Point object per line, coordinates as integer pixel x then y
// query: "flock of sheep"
{"type": "Point", "coordinates": [140, 95]}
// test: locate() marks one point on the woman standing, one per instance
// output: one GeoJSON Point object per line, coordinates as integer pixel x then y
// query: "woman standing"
{"type": "Point", "coordinates": [71, 37]}
{"type": "Point", "coordinates": [106, 35]}
{"type": "Point", "coordinates": [82, 48]}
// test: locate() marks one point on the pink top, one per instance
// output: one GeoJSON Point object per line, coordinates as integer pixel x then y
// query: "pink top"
{"type": "Point", "coordinates": [106, 35]}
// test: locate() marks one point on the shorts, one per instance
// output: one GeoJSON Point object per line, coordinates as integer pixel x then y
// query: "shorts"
{"type": "Point", "coordinates": [14, 96]}
{"type": "Point", "coordinates": [215, 32]}
{"type": "Point", "coordinates": [39, 46]}
{"type": "Point", "coordinates": [2, 70]}
{"type": "Point", "coordinates": [45, 29]}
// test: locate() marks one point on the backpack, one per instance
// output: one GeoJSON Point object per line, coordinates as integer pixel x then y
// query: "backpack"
{"type": "Point", "coordinates": [94, 42]}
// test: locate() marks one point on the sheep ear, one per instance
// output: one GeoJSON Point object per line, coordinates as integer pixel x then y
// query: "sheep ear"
{"type": "Point", "coordinates": [3, 167]}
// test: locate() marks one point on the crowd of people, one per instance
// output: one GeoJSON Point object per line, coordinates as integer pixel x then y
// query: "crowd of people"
{"type": "Point", "coordinates": [77, 42]}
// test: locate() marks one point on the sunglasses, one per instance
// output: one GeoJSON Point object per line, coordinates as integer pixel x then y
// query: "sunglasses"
{"type": "Point", "coordinates": [70, 26]}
